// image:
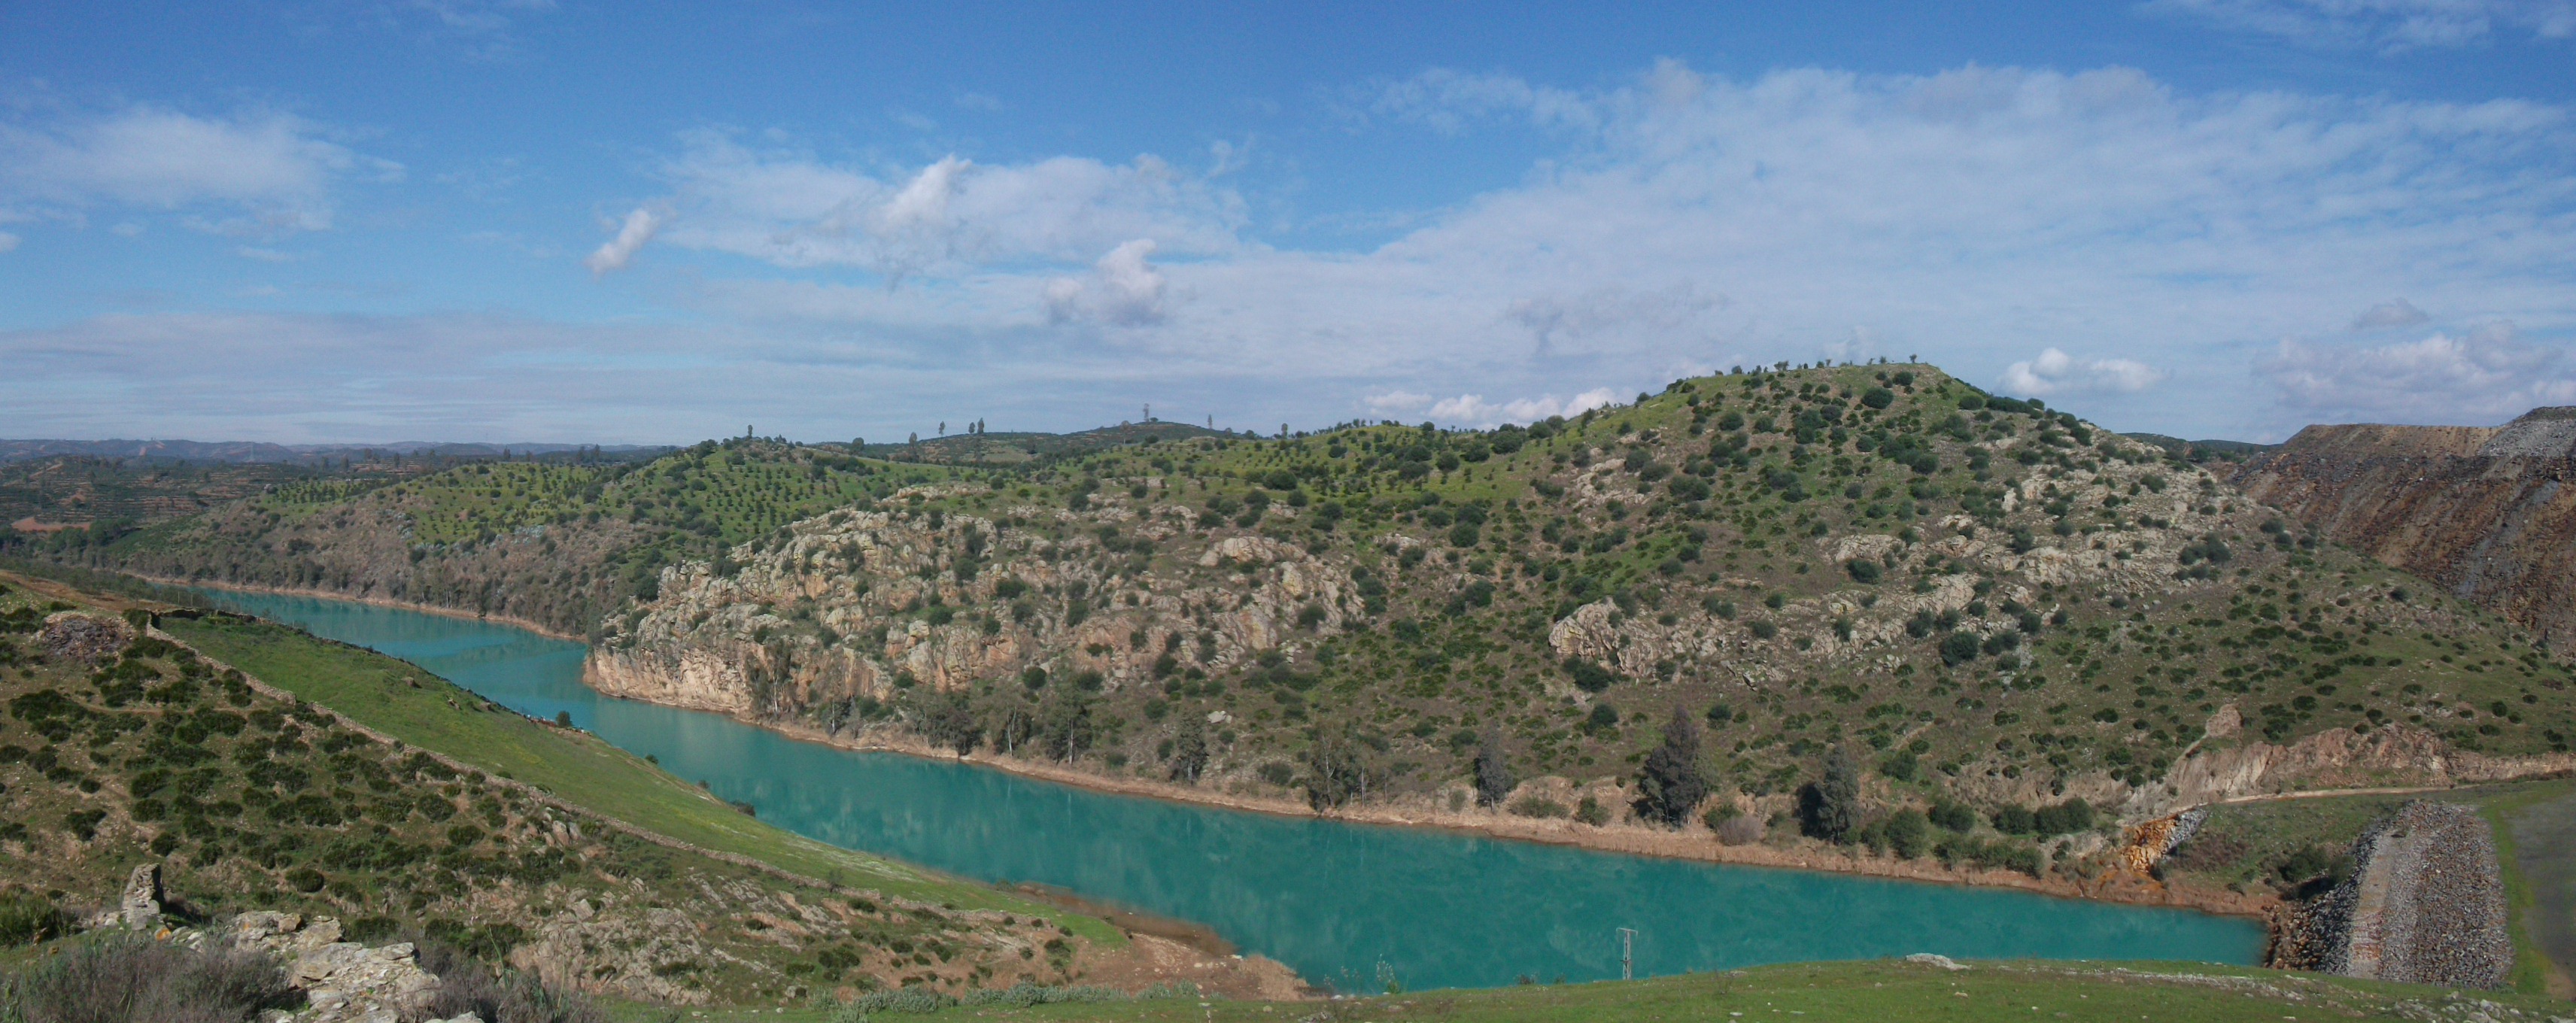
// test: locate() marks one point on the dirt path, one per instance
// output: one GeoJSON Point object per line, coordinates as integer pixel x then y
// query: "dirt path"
{"type": "Point", "coordinates": [2544, 848]}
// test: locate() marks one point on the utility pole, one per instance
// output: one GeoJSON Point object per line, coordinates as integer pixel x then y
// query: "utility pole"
{"type": "Point", "coordinates": [1627, 954]}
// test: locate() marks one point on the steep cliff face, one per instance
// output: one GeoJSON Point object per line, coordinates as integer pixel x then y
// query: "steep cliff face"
{"type": "Point", "coordinates": [2486, 512]}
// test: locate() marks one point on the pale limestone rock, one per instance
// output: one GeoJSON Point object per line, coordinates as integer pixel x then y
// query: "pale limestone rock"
{"type": "Point", "coordinates": [141, 909]}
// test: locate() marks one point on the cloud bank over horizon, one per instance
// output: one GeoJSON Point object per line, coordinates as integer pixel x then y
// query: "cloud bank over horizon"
{"type": "Point", "coordinates": [2218, 263]}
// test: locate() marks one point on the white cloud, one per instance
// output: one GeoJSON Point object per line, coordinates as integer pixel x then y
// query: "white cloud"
{"type": "Point", "coordinates": [1973, 216]}
{"type": "Point", "coordinates": [978, 101]}
{"type": "Point", "coordinates": [2394, 313]}
{"type": "Point", "coordinates": [2479, 377]}
{"type": "Point", "coordinates": [8, 241]}
{"type": "Point", "coordinates": [632, 233]}
{"type": "Point", "coordinates": [2387, 25]}
{"type": "Point", "coordinates": [128, 229]}
{"type": "Point", "coordinates": [1474, 410]}
{"type": "Point", "coordinates": [946, 219]}
{"type": "Point", "coordinates": [1395, 402]}
{"type": "Point", "coordinates": [2056, 372]}
{"type": "Point", "coordinates": [265, 255]}
{"type": "Point", "coordinates": [1123, 289]}
{"type": "Point", "coordinates": [274, 170]}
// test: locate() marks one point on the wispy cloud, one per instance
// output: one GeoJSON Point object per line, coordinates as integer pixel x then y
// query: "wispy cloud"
{"type": "Point", "coordinates": [632, 233]}
{"type": "Point", "coordinates": [256, 173]}
{"type": "Point", "coordinates": [2390, 26]}
{"type": "Point", "coordinates": [2478, 377]}
{"type": "Point", "coordinates": [947, 218]}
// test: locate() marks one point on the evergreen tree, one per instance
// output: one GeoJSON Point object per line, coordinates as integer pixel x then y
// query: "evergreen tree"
{"type": "Point", "coordinates": [1493, 771]}
{"type": "Point", "coordinates": [1670, 785]}
{"type": "Point", "coordinates": [949, 721]}
{"type": "Point", "coordinates": [1066, 728]}
{"type": "Point", "coordinates": [1829, 807]}
{"type": "Point", "coordinates": [1189, 750]}
{"type": "Point", "coordinates": [1336, 773]}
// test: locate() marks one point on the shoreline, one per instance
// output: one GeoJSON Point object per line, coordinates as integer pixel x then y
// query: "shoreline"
{"type": "Point", "coordinates": [1618, 838]}
{"type": "Point", "coordinates": [512, 621]}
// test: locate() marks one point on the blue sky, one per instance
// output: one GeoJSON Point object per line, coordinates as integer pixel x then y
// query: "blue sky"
{"type": "Point", "coordinates": [554, 220]}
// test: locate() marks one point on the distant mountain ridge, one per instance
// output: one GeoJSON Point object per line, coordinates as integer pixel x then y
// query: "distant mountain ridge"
{"type": "Point", "coordinates": [239, 452]}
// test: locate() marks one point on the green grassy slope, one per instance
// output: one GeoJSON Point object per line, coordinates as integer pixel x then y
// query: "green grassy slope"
{"type": "Point", "coordinates": [1865, 992]}
{"type": "Point", "coordinates": [372, 689]}
{"type": "Point", "coordinates": [115, 756]}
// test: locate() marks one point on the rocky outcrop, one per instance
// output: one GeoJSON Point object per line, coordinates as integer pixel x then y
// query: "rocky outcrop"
{"type": "Point", "coordinates": [860, 604]}
{"type": "Point", "coordinates": [2487, 512]}
{"type": "Point", "coordinates": [341, 980]}
{"type": "Point", "coordinates": [2336, 758]}
{"type": "Point", "coordinates": [140, 909]}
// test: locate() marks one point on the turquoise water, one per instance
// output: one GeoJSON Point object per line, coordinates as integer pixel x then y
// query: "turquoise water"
{"type": "Point", "coordinates": [1331, 900]}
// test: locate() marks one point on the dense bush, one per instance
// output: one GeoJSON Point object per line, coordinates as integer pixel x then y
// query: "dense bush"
{"type": "Point", "coordinates": [1537, 806]}
{"type": "Point", "coordinates": [26, 919]}
{"type": "Point", "coordinates": [498, 996]}
{"type": "Point", "coordinates": [129, 978]}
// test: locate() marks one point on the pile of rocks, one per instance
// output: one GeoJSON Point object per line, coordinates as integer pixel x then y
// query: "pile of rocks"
{"type": "Point", "coordinates": [2425, 904]}
{"type": "Point", "coordinates": [73, 636]}
{"type": "Point", "coordinates": [341, 980]}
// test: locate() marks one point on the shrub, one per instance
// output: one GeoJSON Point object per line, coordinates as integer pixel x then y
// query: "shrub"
{"type": "Point", "coordinates": [502, 996]}
{"type": "Point", "coordinates": [2016, 856]}
{"type": "Point", "coordinates": [1953, 816]}
{"type": "Point", "coordinates": [1024, 995]}
{"type": "Point", "coordinates": [913, 1000]}
{"type": "Point", "coordinates": [1863, 571]}
{"type": "Point", "coordinates": [26, 919]}
{"type": "Point", "coordinates": [128, 977]}
{"type": "Point", "coordinates": [1537, 806]}
{"type": "Point", "coordinates": [1908, 833]}
{"type": "Point", "coordinates": [2015, 820]}
{"type": "Point", "coordinates": [1742, 829]}
{"type": "Point", "coordinates": [1959, 648]}
{"type": "Point", "coordinates": [1590, 811]}
{"type": "Point", "coordinates": [2070, 816]}
{"type": "Point", "coordinates": [1589, 676]}
{"type": "Point", "coordinates": [1878, 397]}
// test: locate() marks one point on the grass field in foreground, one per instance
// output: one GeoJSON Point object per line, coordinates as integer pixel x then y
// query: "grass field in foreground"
{"type": "Point", "coordinates": [371, 689]}
{"type": "Point", "coordinates": [1879, 991]}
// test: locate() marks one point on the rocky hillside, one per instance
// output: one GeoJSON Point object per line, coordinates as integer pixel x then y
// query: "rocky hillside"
{"type": "Point", "coordinates": [555, 543]}
{"type": "Point", "coordinates": [1974, 598]}
{"type": "Point", "coordinates": [122, 748]}
{"type": "Point", "coordinates": [2485, 512]}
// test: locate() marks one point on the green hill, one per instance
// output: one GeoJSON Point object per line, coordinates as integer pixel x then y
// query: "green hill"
{"type": "Point", "coordinates": [1884, 597]}
{"type": "Point", "coordinates": [270, 770]}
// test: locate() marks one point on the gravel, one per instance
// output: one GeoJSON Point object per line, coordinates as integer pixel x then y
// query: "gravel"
{"type": "Point", "coordinates": [2425, 904]}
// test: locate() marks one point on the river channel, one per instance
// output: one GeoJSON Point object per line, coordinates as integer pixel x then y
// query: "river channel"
{"type": "Point", "coordinates": [1343, 904]}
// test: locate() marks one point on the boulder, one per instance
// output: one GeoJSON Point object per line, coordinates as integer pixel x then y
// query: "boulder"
{"type": "Point", "coordinates": [141, 908]}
